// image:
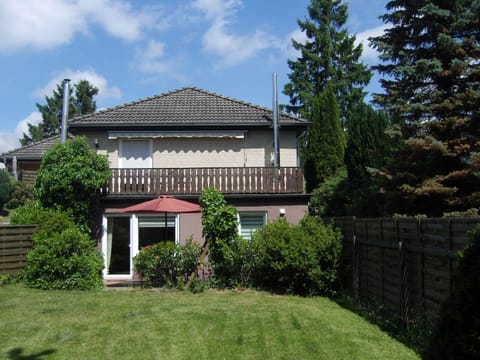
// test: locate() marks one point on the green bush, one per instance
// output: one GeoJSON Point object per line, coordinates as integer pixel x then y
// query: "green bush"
{"type": "Point", "coordinates": [5, 188]}
{"type": "Point", "coordinates": [166, 263]}
{"type": "Point", "coordinates": [457, 335]}
{"type": "Point", "coordinates": [300, 259]}
{"type": "Point", "coordinates": [220, 228]}
{"type": "Point", "coordinates": [21, 194]}
{"type": "Point", "coordinates": [70, 178]}
{"type": "Point", "coordinates": [62, 260]}
{"type": "Point", "coordinates": [48, 221]}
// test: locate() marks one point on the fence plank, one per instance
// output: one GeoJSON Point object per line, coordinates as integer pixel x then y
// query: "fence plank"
{"type": "Point", "coordinates": [15, 242]}
{"type": "Point", "coordinates": [406, 265]}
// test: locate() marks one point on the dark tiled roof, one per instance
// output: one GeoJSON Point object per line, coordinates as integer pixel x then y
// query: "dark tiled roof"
{"type": "Point", "coordinates": [185, 107]}
{"type": "Point", "coordinates": [34, 151]}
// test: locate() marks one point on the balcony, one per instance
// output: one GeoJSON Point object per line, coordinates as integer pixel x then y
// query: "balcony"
{"type": "Point", "coordinates": [191, 181]}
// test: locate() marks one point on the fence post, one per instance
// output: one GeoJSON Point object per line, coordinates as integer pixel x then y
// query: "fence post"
{"type": "Point", "coordinates": [355, 264]}
{"type": "Point", "coordinates": [402, 283]}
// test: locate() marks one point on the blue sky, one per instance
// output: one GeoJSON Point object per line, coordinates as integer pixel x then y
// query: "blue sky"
{"type": "Point", "coordinates": [134, 49]}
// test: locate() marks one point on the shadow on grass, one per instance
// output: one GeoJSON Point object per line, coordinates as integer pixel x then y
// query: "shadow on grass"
{"type": "Point", "coordinates": [18, 354]}
{"type": "Point", "coordinates": [415, 334]}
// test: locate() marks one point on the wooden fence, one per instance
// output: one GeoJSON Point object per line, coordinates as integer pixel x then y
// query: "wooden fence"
{"type": "Point", "coordinates": [15, 242]}
{"type": "Point", "coordinates": [404, 265]}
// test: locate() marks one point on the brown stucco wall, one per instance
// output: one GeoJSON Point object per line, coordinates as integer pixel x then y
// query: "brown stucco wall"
{"type": "Point", "coordinates": [191, 224]}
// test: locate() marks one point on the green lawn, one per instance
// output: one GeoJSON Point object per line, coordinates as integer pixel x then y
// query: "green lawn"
{"type": "Point", "coordinates": [152, 324]}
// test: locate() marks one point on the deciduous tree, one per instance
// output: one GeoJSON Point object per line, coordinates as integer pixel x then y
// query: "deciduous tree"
{"type": "Point", "coordinates": [70, 178]}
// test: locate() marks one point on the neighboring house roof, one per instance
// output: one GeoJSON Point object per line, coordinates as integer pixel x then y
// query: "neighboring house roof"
{"type": "Point", "coordinates": [185, 107]}
{"type": "Point", "coordinates": [34, 151]}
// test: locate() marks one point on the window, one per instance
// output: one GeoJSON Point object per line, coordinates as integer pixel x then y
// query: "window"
{"type": "Point", "coordinates": [155, 229]}
{"type": "Point", "coordinates": [249, 222]}
{"type": "Point", "coordinates": [135, 154]}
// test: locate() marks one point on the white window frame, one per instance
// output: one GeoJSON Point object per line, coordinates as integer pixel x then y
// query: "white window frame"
{"type": "Point", "coordinates": [134, 243]}
{"type": "Point", "coordinates": [258, 213]}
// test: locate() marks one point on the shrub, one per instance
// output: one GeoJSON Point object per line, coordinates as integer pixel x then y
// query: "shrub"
{"type": "Point", "coordinates": [220, 228]}
{"type": "Point", "coordinates": [62, 260]}
{"type": "Point", "coordinates": [5, 188]}
{"type": "Point", "coordinates": [301, 259]}
{"type": "Point", "coordinates": [70, 178]}
{"type": "Point", "coordinates": [21, 194]}
{"type": "Point", "coordinates": [457, 335]}
{"type": "Point", "coordinates": [166, 263]}
{"type": "Point", "coordinates": [48, 221]}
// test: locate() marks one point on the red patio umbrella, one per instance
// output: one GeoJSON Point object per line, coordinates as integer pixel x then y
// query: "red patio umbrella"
{"type": "Point", "coordinates": [164, 204]}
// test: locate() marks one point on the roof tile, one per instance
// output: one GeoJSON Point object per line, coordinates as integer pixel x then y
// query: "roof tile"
{"type": "Point", "coordinates": [188, 106]}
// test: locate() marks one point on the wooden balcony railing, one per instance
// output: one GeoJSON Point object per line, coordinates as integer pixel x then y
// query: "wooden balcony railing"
{"type": "Point", "coordinates": [191, 181]}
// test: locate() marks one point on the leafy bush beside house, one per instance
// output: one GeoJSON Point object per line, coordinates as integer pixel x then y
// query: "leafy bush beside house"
{"type": "Point", "coordinates": [300, 259]}
{"type": "Point", "coordinates": [5, 188]}
{"type": "Point", "coordinates": [62, 257]}
{"type": "Point", "coordinates": [63, 260]}
{"type": "Point", "coordinates": [220, 228]}
{"type": "Point", "coordinates": [21, 194]}
{"type": "Point", "coordinates": [167, 263]}
{"type": "Point", "coordinates": [70, 178]}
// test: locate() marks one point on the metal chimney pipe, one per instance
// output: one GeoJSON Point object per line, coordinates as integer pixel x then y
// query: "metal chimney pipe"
{"type": "Point", "coordinates": [66, 96]}
{"type": "Point", "coordinates": [276, 148]}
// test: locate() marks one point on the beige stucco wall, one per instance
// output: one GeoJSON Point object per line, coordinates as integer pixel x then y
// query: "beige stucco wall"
{"type": "Point", "coordinates": [256, 149]}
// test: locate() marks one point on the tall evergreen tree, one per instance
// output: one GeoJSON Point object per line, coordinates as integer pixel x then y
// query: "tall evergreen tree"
{"type": "Point", "coordinates": [431, 64]}
{"type": "Point", "coordinates": [80, 103]}
{"type": "Point", "coordinates": [328, 56]}
{"type": "Point", "coordinates": [325, 144]}
{"type": "Point", "coordinates": [366, 141]}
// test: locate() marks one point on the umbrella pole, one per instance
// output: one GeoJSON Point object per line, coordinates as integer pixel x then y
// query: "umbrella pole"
{"type": "Point", "coordinates": [165, 229]}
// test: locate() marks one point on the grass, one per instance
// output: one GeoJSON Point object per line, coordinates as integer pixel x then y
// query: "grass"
{"type": "Point", "coordinates": [153, 324]}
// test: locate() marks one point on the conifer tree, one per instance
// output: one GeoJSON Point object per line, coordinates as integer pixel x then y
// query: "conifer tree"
{"type": "Point", "coordinates": [80, 103]}
{"type": "Point", "coordinates": [431, 68]}
{"type": "Point", "coordinates": [325, 144]}
{"type": "Point", "coordinates": [366, 141]}
{"type": "Point", "coordinates": [328, 56]}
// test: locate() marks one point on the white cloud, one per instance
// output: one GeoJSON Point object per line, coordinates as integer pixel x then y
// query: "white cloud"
{"type": "Point", "coordinates": [22, 127]}
{"type": "Point", "coordinates": [287, 47]}
{"type": "Point", "coordinates": [370, 55]}
{"type": "Point", "coordinates": [105, 91]}
{"type": "Point", "coordinates": [10, 140]}
{"type": "Point", "coordinates": [231, 48]}
{"type": "Point", "coordinates": [151, 60]}
{"type": "Point", "coordinates": [45, 24]}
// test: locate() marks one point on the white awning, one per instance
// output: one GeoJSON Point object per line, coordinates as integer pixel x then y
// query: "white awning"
{"type": "Point", "coordinates": [232, 134]}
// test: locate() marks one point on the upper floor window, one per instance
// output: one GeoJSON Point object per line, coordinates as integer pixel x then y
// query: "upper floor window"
{"type": "Point", "coordinates": [135, 153]}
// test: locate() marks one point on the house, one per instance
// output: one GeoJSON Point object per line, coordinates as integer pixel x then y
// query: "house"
{"type": "Point", "coordinates": [24, 161]}
{"type": "Point", "coordinates": [179, 143]}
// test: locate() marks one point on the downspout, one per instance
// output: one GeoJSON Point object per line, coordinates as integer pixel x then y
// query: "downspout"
{"type": "Point", "coordinates": [66, 95]}
{"type": "Point", "coordinates": [14, 168]}
{"type": "Point", "coordinates": [276, 147]}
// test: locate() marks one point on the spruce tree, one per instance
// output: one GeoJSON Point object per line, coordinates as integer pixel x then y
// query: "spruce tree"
{"type": "Point", "coordinates": [431, 68]}
{"type": "Point", "coordinates": [328, 56]}
{"type": "Point", "coordinates": [80, 103]}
